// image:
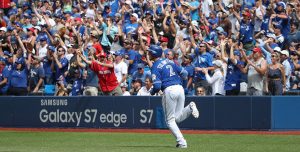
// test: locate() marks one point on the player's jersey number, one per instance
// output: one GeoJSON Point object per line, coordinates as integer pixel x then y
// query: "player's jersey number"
{"type": "Point", "coordinates": [170, 68]}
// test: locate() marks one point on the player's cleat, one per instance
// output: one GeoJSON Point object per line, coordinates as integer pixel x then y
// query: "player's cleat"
{"type": "Point", "coordinates": [195, 111]}
{"type": "Point", "coordinates": [181, 146]}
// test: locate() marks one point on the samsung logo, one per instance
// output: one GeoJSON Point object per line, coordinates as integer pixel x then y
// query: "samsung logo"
{"type": "Point", "coordinates": [54, 102]}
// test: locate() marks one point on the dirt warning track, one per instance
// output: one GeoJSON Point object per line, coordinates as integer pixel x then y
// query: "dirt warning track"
{"type": "Point", "coordinates": [158, 131]}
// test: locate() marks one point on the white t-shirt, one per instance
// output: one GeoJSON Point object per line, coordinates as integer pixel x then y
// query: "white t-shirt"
{"type": "Point", "coordinates": [144, 92]}
{"type": "Point", "coordinates": [120, 69]}
{"type": "Point", "coordinates": [90, 13]}
{"type": "Point", "coordinates": [43, 51]}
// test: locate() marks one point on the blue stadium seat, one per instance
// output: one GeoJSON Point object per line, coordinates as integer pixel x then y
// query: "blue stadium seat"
{"type": "Point", "coordinates": [49, 90]}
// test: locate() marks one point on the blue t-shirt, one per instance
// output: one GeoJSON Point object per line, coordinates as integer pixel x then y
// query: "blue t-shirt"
{"type": "Point", "coordinates": [265, 23]}
{"type": "Point", "coordinates": [77, 88]}
{"type": "Point", "coordinates": [166, 73]}
{"type": "Point", "coordinates": [135, 56]}
{"type": "Point", "coordinates": [91, 79]}
{"type": "Point", "coordinates": [60, 72]}
{"type": "Point", "coordinates": [285, 23]}
{"type": "Point", "coordinates": [47, 67]}
{"type": "Point", "coordinates": [246, 32]}
{"type": "Point", "coordinates": [194, 13]}
{"type": "Point", "coordinates": [19, 78]}
{"type": "Point", "coordinates": [136, 75]}
{"type": "Point", "coordinates": [114, 6]}
{"type": "Point", "coordinates": [233, 76]}
{"type": "Point", "coordinates": [203, 61]}
{"type": "Point", "coordinates": [6, 73]}
{"type": "Point", "coordinates": [130, 28]}
{"type": "Point", "coordinates": [35, 75]}
{"type": "Point", "coordinates": [190, 71]}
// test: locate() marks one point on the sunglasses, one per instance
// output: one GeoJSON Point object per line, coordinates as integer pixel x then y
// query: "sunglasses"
{"type": "Point", "coordinates": [201, 46]}
{"type": "Point", "coordinates": [274, 56]}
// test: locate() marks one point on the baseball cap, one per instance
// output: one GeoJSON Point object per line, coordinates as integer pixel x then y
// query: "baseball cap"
{"type": "Point", "coordinates": [149, 12]}
{"type": "Point", "coordinates": [102, 54]}
{"type": "Point", "coordinates": [52, 48]}
{"type": "Point", "coordinates": [188, 57]}
{"type": "Point", "coordinates": [118, 15]}
{"type": "Point", "coordinates": [123, 85]}
{"type": "Point", "coordinates": [141, 65]}
{"type": "Point", "coordinates": [2, 59]}
{"type": "Point", "coordinates": [195, 23]}
{"type": "Point", "coordinates": [277, 26]}
{"type": "Point", "coordinates": [285, 52]}
{"type": "Point", "coordinates": [281, 4]}
{"type": "Point", "coordinates": [135, 15]}
{"type": "Point", "coordinates": [220, 29]}
{"type": "Point", "coordinates": [217, 63]}
{"type": "Point", "coordinates": [293, 53]}
{"type": "Point", "coordinates": [256, 50]}
{"type": "Point", "coordinates": [38, 28]}
{"type": "Point", "coordinates": [277, 49]}
{"type": "Point", "coordinates": [30, 29]}
{"type": "Point", "coordinates": [230, 6]}
{"type": "Point", "coordinates": [19, 62]}
{"type": "Point", "coordinates": [119, 53]}
{"type": "Point", "coordinates": [78, 19]}
{"type": "Point", "coordinates": [246, 13]}
{"type": "Point", "coordinates": [19, 24]}
{"type": "Point", "coordinates": [185, 4]}
{"type": "Point", "coordinates": [164, 39]}
{"type": "Point", "coordinates": [43, 39]}
{"type": "Point", "coordinates": [8, 54]}
{"type": "Point", "coordinates": [237, 52]}
{"type": "Point", "coordinates": [271, 35]}
{"type": "Point", "coordinates": [128, 2]}
{"type": "Point", "coordinates": [3, 29]}
{"type": "Point", "coordinates": [223, 33]}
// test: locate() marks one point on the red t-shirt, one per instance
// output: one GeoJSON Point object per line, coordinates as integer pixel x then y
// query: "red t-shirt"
{"type": "Point", "coordinates": [5, 3]}
{"type": "Point", "coordinates": [107, 78]}
{"type": "Point", "coordinates": [98, 48]}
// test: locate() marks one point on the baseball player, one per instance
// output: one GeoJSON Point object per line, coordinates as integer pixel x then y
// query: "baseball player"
{"type": "Point", "coordinates": [166, 77]}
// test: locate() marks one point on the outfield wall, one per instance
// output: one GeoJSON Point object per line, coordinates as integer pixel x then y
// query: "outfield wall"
{"type": "Point", "coordinates": [259, 113]}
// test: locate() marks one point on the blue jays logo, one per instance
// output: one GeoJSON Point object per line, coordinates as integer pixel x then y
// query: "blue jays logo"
{"type": "Point", "coordinates": [153, 77]}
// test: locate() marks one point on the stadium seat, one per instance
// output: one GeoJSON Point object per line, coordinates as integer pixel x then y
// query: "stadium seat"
{"type": "Point", "coordinates": [49, 90]}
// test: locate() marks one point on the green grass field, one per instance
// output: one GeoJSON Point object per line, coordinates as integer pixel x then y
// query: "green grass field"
{"type": "Point", "coordinates": [11, 141]}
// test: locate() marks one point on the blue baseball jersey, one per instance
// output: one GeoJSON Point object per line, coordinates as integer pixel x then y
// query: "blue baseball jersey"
{"type": "Point", "coordinates": [233, 76]}
{"type": "Point", "coordinates": [246, 32]}
{"type": "Point", "coordinates": [203, 61]}
{"type": "Point", "coordinates": [265, 23]}
{"type": "Point", "coordinates": [60, 72]}
{"type": "Point", "coordinates": [285, 23]}
{"type": "Point", "coordinates": [77, 87]}
{"type": "Point", "coordinates": [6, 73]}
{"type": "Point", "coordinates": [130, 28]}
{"type": "Point", "coordinates": [190, 71]}
{"type": "Point", "coordinates": [135, 56]}
{"type": "Point", "coordinates": [166, 73]}
{"type": "Point", "coordinates": [19, 78]}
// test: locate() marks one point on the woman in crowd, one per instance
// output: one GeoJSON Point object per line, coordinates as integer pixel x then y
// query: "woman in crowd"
{"type": "Point", "coordinates": [275, 76]}
{"type": "Point", "coordinates": [217, 80]}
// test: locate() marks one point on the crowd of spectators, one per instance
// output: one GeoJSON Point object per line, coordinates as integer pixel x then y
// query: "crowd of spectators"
{"type": "Point", "coordinates": [99, 47]}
